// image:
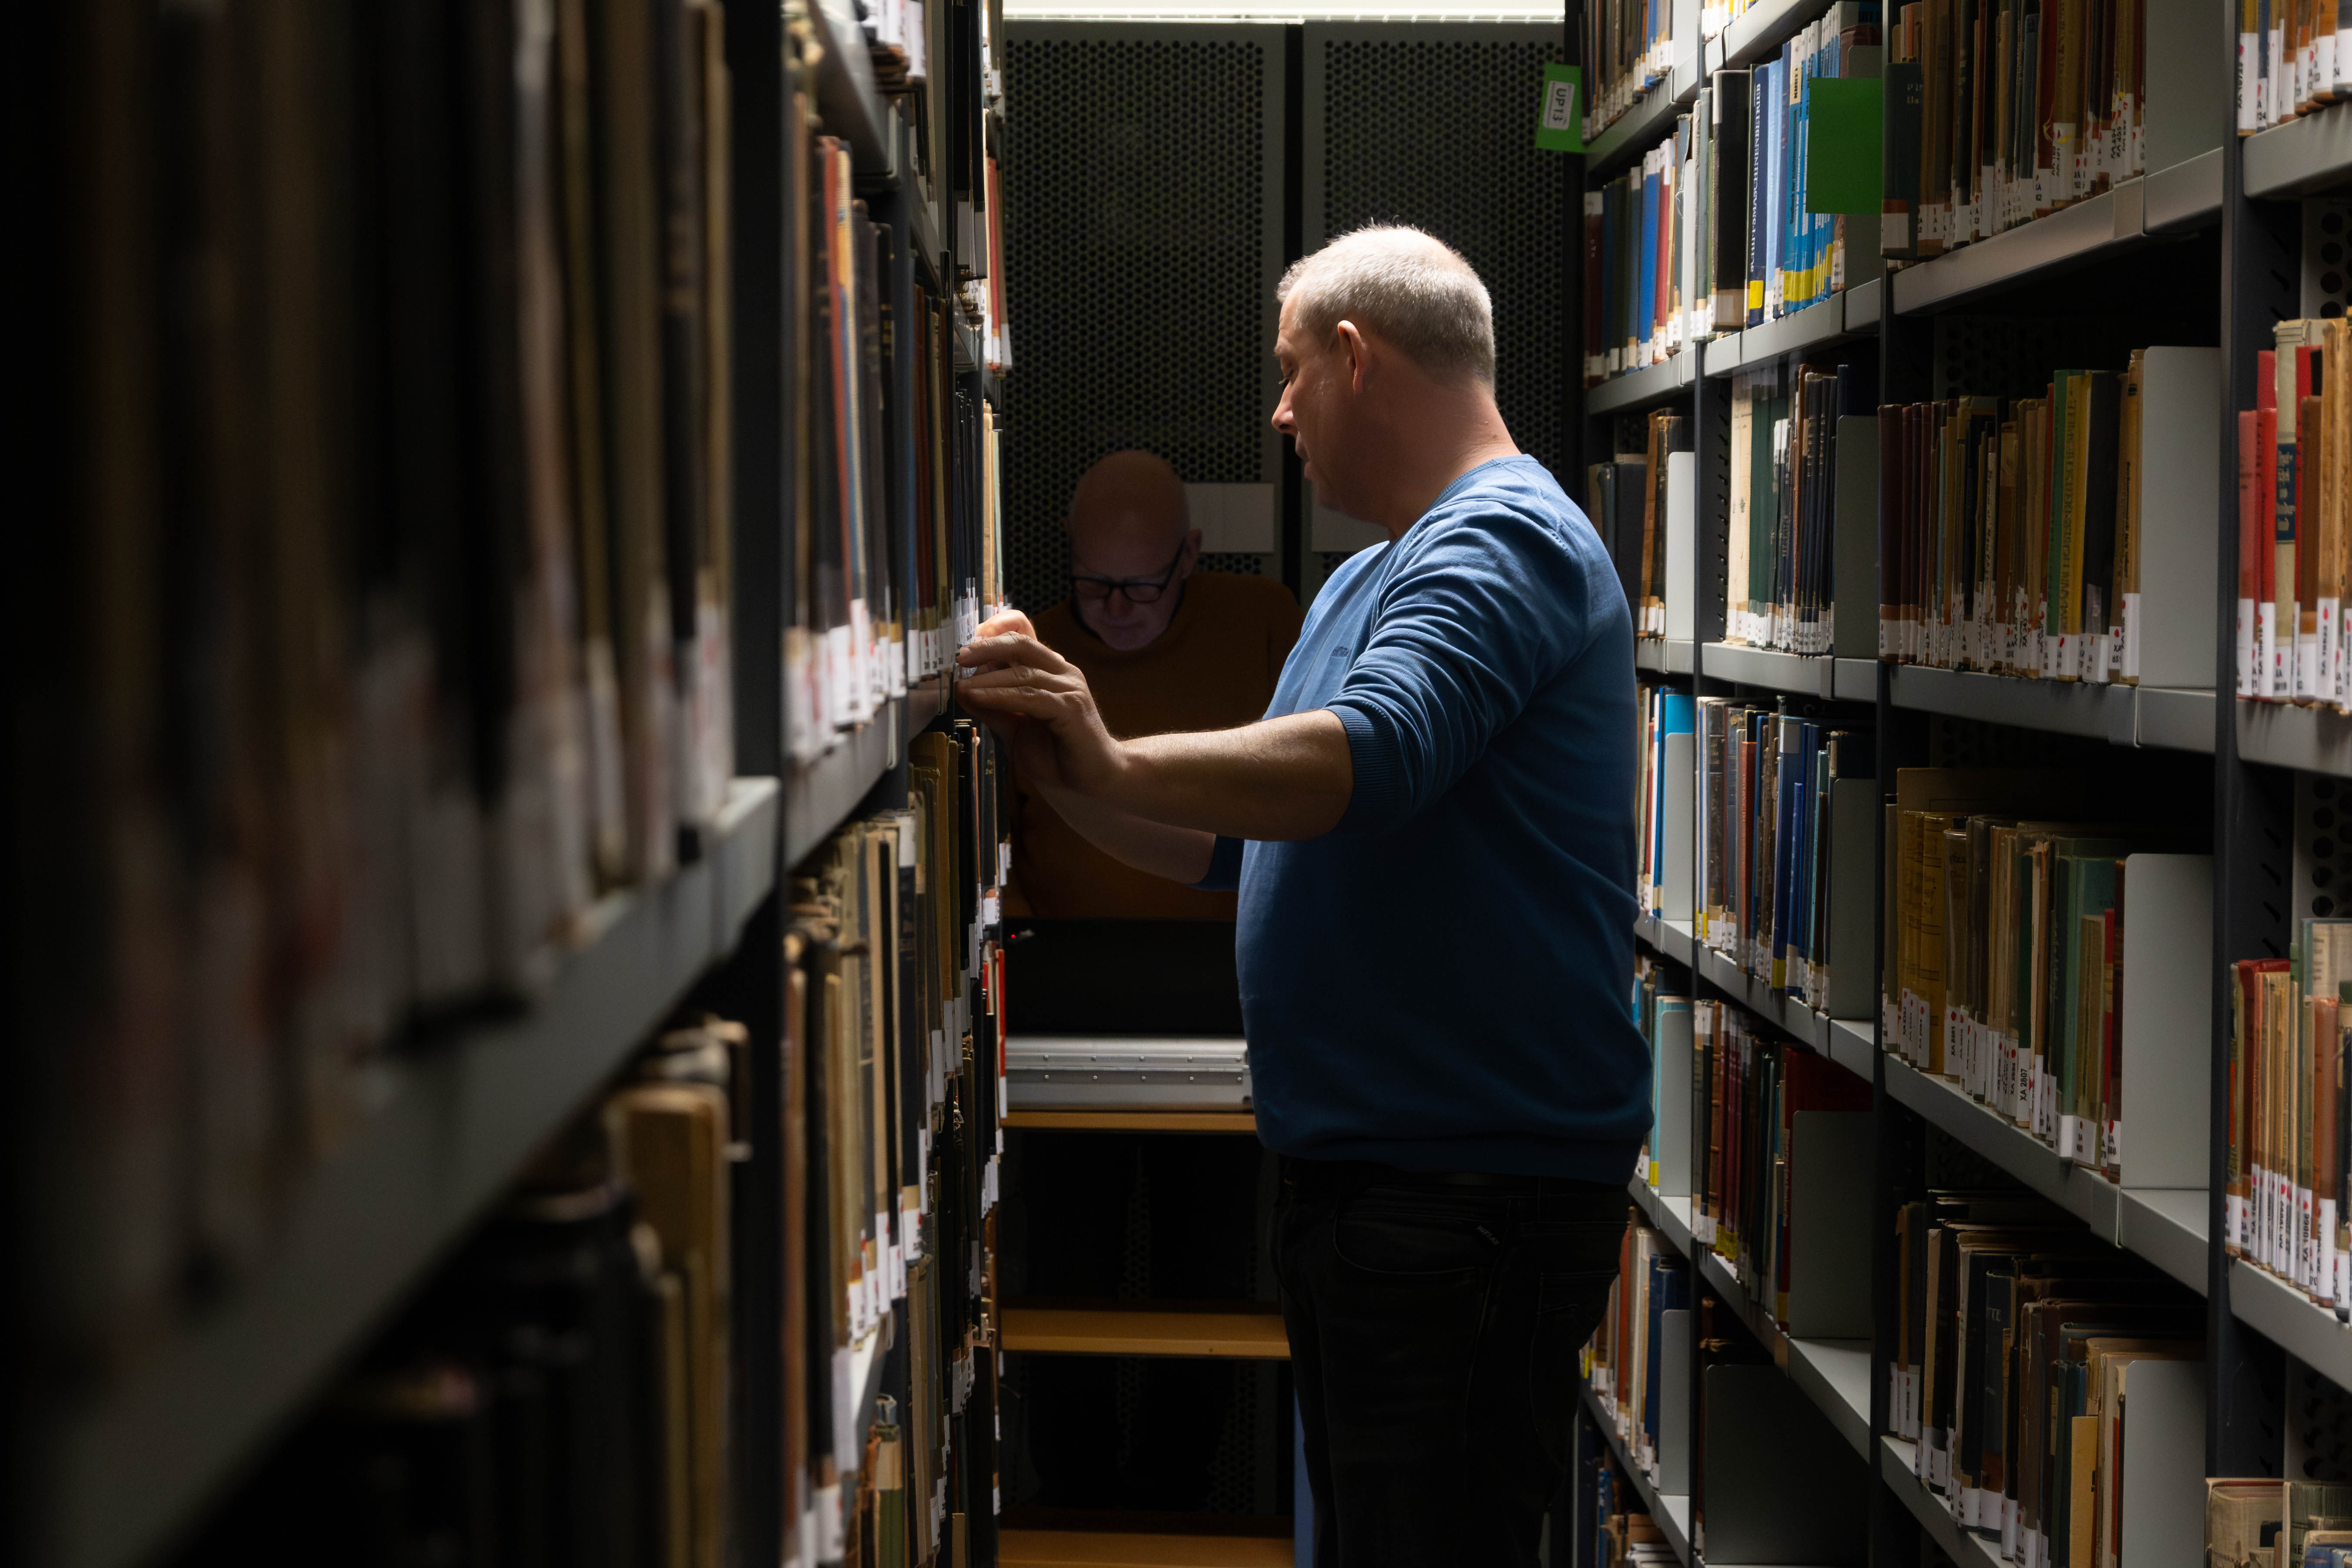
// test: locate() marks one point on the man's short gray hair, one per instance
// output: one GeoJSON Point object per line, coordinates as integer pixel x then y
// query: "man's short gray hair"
{"type": "Point", "coordinates": [1408, 288]}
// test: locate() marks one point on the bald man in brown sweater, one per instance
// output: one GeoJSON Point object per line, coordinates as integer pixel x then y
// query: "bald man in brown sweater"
{"type": "Point", "coordinates": [1165, 647]}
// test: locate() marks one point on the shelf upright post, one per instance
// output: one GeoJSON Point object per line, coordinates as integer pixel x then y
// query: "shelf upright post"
{"type": "Point", "coordinates": [2254, 840]}
{"type": "Point", "coordinates": [1907, 365]}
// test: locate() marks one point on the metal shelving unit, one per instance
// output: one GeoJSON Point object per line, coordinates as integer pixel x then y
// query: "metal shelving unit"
{"type": "Point", "coordinates": [2187, 210]}
{"type": "Point", "coordinates": [2165, 1226]}
{"type": "Point", "coordinates": [2177, 719]}
{"type": "Point", "coordinates": [2279, 735]}
{"type": "Point", "coordinates": [2310, 153]}
{"type": "Point", "coordinates": [1834, 1374]}
{"type": "Point", "coordinates": [1849, 314]}
{"type": "Point", "coordinates": [1664, 656]}
{"type": "Point", "coordinates": [455, 1124]}
{"type": "Point", "coordinates": [1962, 1545]}
{"type": "Point", "coordinates": [1639, 388]}
{"type": "Point", "coordinates": [1802, 675]}
{"type": "Point", "coordinates": [2185, 198]}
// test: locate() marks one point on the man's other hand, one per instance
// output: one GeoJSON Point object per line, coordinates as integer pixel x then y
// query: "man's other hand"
{"type": "Point", "coordinates": [1013, 676]}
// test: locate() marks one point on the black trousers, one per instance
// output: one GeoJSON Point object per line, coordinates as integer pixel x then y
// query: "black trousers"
{"type": "Point", "coordinates": [1434, 1328]}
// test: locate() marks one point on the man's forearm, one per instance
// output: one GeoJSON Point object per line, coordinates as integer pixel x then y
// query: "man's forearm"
{"type": "Point", "coordinates": [1280, 779]}
{"type": "Point", "coordinates": [1179, 854]}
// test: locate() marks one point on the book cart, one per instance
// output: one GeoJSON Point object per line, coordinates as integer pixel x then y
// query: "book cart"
{"type": "Point", "coordinates": [2224, 236]}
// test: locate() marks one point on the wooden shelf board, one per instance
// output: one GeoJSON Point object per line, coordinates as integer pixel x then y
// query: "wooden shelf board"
{"type": "Point", "coordinates": [1134, 1120]}
{"type": "Point", "coordinates": [1120, 1549]}
{"type": "Point", "coordinates": [1145, 1330]}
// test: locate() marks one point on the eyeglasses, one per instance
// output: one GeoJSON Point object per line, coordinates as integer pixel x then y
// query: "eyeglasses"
{"type": "Point", "coordinates": [1139, 590]}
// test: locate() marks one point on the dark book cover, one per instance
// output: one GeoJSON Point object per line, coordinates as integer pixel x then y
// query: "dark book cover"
{"type": "Point", "coordinates": [1728, 197]}
{"type": "Point", "coordinates": [1898, 229]}
{"type": "Point", "coordinates": [2099, 503]}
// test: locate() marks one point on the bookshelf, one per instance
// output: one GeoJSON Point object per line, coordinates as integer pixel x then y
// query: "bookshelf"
{"type": "Point", "coordinates": [2221, 237]}
{"type": "Point", "coordinates": [2038, 253]}
{"type": "Point", "coordinates": [1802, 675]}
{"type": "Point", "coordinates": [1850, 312]}
{"type": "Point", "coordinates": [2177, 719]}
{"type": "Point", "coordinates": [1670, 1510]}
{"type": "Point", "coordinates": [564, 877]}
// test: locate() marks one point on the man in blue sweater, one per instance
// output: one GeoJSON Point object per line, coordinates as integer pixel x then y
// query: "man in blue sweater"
{"type": "Point", "coordinates": [1432, 834]}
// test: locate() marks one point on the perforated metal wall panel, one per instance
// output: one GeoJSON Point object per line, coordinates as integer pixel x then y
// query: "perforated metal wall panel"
{"type": "Point", "coordinates": [1432, 126]}
{"type": "Point", "coordinates": [1142, 168]}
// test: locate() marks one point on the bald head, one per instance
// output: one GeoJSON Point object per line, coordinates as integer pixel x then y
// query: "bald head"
{"type": "Point", "coordinates": [1130, 496]}
{"type": "Point", "coordinates": [1128, 523]}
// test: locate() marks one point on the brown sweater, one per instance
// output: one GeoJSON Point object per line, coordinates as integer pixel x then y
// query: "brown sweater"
{"type": "Point", "coordinates": [1213, 669]}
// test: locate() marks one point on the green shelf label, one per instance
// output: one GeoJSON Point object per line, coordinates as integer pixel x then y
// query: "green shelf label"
{"type": "Point", "coordinates": [1559, 127]}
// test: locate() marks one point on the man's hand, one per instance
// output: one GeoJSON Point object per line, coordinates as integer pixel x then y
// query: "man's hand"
{"type": "Point", "coordinates": [1019, 683]}
{"type": "Point", "coordinates": [1007, 622]}
{"type": "Point", "coordinates": [1278, 779]}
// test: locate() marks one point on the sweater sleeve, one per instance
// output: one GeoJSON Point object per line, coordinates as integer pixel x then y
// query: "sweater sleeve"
{"type": "Point", "coordinates": [1472, 623]}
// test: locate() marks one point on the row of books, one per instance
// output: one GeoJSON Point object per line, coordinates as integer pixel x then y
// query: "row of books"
{"type": "Point", "coordinates": [2283, 1207]}
{"type": "Point", "coordinates": [2293, 554]}
{"type": "Point", "coordinates": [1628, 49]}
{"type": "Point", "coordinates": [409, 622]}
{"type": "Point", "coordinates": [894, 1005]}
{"type": "Point", "coordinates": [2293, 59]}
{"type": "Point", "coordinates": [1773, 786]}
{"type": "Point", "coordinates": [1640, 270]}
{"type": "Point", "coordinates": [1711, 231]}
{"type": "Point", "coordinates": [1625, 1360]}
{"type": "Point", "coordinates": [1780, 575]}
{"type": "Point", "coordinates": [2005, 947]}
{"type": "Point", "coordinates": [2019, 1339]}
{"type": "Point", "coordinates": [2000, 112]}
{"type": "Point", "coordinates": [564, 1391]}
{"type": "Point", "coordinates": [1661, 1009]}
{"type": "Point", "coordinates": [2013, 531]}
{"type": "Point", "coordinates": [1664, 713]}
{"type": "Point", "coordinates": [899, 550]}
{"type": "Point", "coordinates": [560, 1391]}
{"type": "Point", "coordinates": [1748, 1088]}
{"type": "Point", "coordinates": [1620, 1533]}
{"type": "Point", "coordinates": [1629, 498]}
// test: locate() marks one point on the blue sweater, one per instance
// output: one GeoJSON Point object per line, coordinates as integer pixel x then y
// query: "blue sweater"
{"type": "Point", "coordinates": [1440, 984]}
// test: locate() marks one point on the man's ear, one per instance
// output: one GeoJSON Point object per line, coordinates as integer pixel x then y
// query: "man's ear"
{"type": "Point", "coordinates": [1358, 352]}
